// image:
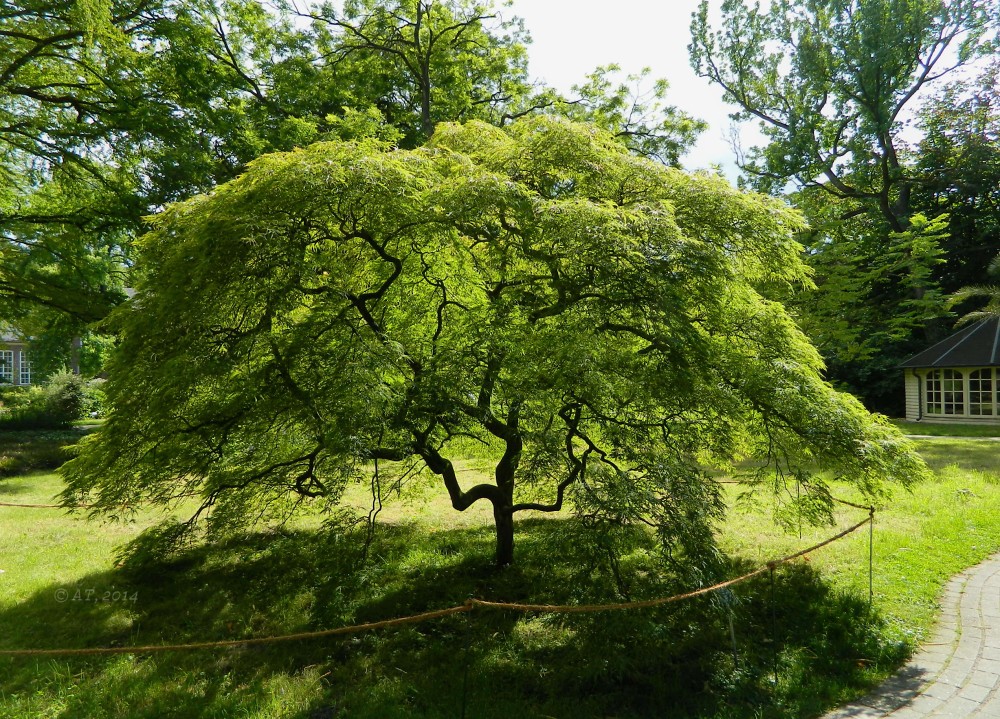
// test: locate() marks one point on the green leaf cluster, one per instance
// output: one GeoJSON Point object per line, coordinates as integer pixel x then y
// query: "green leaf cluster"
{"type": "Point", "coordinates": [605, 328]}
{"type": "Point", "coordinates": [112, 109]}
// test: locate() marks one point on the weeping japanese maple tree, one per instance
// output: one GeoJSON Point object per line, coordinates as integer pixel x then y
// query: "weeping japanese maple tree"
{"type": "Point", "coordinates": [605, 328]}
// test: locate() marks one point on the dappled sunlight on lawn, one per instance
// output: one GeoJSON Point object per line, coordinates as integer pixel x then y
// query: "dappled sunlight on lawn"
{"type": "Point", "coordinates": [678, 659]}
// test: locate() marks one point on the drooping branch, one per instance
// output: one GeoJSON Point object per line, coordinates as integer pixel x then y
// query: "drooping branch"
{"type": "Point", "coordinates": [570, 415]}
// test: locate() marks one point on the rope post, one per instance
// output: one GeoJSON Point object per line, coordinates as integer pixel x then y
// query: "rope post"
{"type": "Point", "coordinates": [871, 558]}
{"type": "Point", "coordinates": [774, 627]}
{"type": "Point", "coordinates": [798, 506]}
{"type": "Point", "coordinates": [465, 660]}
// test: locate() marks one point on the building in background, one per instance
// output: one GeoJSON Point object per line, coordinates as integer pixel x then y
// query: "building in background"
{"type": "Point", "coordinates": [15, 365]}
{"type": "Point", "coordinates": [958, 379]}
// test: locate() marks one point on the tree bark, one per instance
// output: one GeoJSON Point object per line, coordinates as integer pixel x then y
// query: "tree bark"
{"type": "Point", "coordinates": [503, 505]}
{"type": "Point", "coordinates": [503, 516]}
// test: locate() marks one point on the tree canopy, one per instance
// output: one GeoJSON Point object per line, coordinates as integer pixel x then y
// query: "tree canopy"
{"type": "Point", "coordinates": [110, 109]}
{"type": "Point", "coordinates": [830, 82]}
{"type": "Point", "coordinates": [958, 162]}
{"type": "Point", "coordinates": [834, 84]}
{"type": "Point", "coordinates": [604, 328]}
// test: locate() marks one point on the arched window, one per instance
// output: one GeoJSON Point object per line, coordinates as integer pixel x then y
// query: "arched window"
{"type": "Point", "coordinates": [981, 392]}
{"type": "Point", "coordinates": [945, 392]}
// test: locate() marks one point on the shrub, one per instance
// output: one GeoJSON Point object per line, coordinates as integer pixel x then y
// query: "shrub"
{"type": "Point", "coordinates": [64, 397]}
{"type": "Point", "coordinates": [12, 398]}
{"type": "Point", "coordinates": [93, 398]}
{"type": "Point", "coordinates": [54, 405]}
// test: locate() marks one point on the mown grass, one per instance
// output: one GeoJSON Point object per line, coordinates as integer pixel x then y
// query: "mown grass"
{"type": "Point", "coordinates": [813, 626]}
{"type": "Point", "coordinates": [946, 429]}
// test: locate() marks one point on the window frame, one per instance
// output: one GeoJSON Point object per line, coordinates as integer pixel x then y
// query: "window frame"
{"type": "Point", "coordinates": [6, 366]}
{"type": "Point", "coordinates": [981, 393]}
{"type": "Point", "coordinates": [23, 368]}
{"type": "Point", "coordinates": [966, 391]}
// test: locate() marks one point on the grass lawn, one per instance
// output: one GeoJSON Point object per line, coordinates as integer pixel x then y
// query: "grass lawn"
{"type": "Point", "coordinates": [947, 429]}
{"type": "Point", "coordinates": [813, 627]}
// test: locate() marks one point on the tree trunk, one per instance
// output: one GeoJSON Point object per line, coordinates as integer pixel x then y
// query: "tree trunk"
{"type": "Point", "coordinates": [503, 506]}
{"type": "Point", "coordinates": [503, 516]}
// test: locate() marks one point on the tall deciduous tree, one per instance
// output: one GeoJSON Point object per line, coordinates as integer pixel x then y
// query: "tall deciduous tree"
{"type": "Point", "coordinates": [957, 161]}
{"type": "Point", "coordinates": [832, 83]}
{"type": "Point", "coordinates": [56, 113]}
{"type": "Point", "coordinates": [420, 62]}
{"type": "Point", "coordinates": [603, 327]}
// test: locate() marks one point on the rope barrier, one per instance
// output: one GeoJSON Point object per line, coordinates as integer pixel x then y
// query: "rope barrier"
{"type": "Point", "coordinates": [153, 648]}
{"type": "Point", "coordinates": [467, 606]}
{"type": "Point", "coordinates": [45, 506]}
{"type": "Point", "coordinates": [835, 499]}
{"type": "Point", "coordinates": [866, 507]}
{"type": "Point", "coordinates": [581, 608]}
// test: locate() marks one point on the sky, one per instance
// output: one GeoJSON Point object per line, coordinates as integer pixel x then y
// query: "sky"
{"type": "Point", "coordinates": [572, 37]}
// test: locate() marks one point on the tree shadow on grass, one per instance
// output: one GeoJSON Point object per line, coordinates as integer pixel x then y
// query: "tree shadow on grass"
{"type": "Point", "coordinates": [11, 487]}
{"type": "Point", "coordinates": [966, 455]}
{"type": "Point", "coordinates": [676, 660]}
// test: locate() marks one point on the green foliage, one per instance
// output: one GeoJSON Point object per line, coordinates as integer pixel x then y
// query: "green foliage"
{"type": "Point", "coordinates": [60, 246]}
{"type": "Point", "coordinates": [54, 405]}
{"type": "Point", "coordinates": [109, 109]}
{"type": "Point", "coordinates": [139, 104]}
{"type": "Point", "coordinates": [868, 299]}
{"type": "Point", "coordinates": [421, 62]}
{"type": "Point", "coordinates": [830, 83]}
{"type": "Point", "coordinates": [13, 397]}
{"type": "Point", "coordinates": [356, 125]}
{"type": "Point", "coordinates": [635, 114]}
{"type": "Point", "coordinates": [958, 161]}
{"type": "Point", "coordinates": [58, 341]}
{"type": "Point", "coordinates": [64, 396]}
{"type": "Point", "coordinates": [990, 293]}
{"type": "Point", "coordinates": [93, 399]}
{"type": "Point", "coordinates": [960, 157]}
{"type": "Point", "coordinates": [605, 327]}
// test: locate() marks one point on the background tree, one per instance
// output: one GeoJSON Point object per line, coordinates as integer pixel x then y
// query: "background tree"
{"type": "Point", "coordinates": [420, 62]}
{"type": "Point", "coordinates": [111, 109]}
{"type": "Point", "coordinates": [100, 129]}
{"type": "Point", "coordinates": [54, 106]}
{"type": "Point", "coordinates": [601, 327]}
{"type": "Point", "coordinates": [832, 83]}
{"type": "Point", "coordinates": [635, 113]}
{"type": "Point", "coordinates": [957, 161]}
